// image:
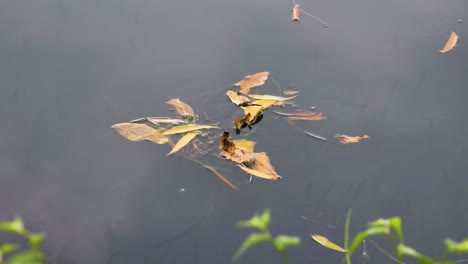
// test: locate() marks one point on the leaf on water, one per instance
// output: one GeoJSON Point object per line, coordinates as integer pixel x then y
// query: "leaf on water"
{"type": "Point", "coordinates": [237, 99]}
{"type": "Point", "coordinates": [253, 110]}
{"type": "Point", "coordinates": [213, 170]}
{"type": "Point", "coordinates": [327, 243]}
{"type": "Point", "coordinates": [302, 115]}
{"type": "Point", "coordinates": [344, 139]}
{"type": "Point", "coordinates": [451, 42]}
{"type": "Point", "coordinates": [265, 103]}
{"type": "Point", "coordinates": [272, 97]}
{"type": "Point", "coordinates": [226, 144]}
{"type": "Point", "coordinates": [230, 151]}
{"type": "Point", "coordinates": [290, 92]}
{"type": "Point", "coordinates": [180, 107]}
{"type": "Point", "coordinates": [245, 145]}
{"type": "Point", "coordinates": [186, 128]}
{"type": "Point", "coordinates": [162, 120]}
{"type": "Point", "coordinates": [139, 132]}
{"type": "Point", "coordinates": [260, 174]}
{"type": "Point", "coordinates": [253, 80]}
{"type": "Point", "coordinates": [240, 123]}
{"type": "Point", "coordinates": [295, 12]}
{"type": "Point", "coordinates": [262, 163]}
{"type": "Point", "coordinates": [183, 141]}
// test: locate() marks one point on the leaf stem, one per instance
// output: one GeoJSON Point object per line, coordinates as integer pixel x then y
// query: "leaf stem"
{"type": "Point", "coordinates": [346, 234]}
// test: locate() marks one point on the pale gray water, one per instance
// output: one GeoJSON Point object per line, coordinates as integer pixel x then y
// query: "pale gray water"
{"type": "Point", "coordinates": [70, 69]}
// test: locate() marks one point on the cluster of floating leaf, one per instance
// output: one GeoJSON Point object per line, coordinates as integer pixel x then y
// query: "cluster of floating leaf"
{"type": "Point", "coordinates": [187, 127]}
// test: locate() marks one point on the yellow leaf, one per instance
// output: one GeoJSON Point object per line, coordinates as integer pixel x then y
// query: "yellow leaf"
{"type": "Point", "coordinates": [164, 120]}
{"type": "Point", "coordinates": [260, 174]}
{"type": "Point", "coordinates": [316, 117]}
{"type": "Point", "coordinates": [183, 141]}
{"type": "Point", "coordinates": [253, 80]}
{"type": "Point", "coordinates": [328, 244]}
{"type": "Point", "coordinates": [237, 99]}
{"type": "Point", "coordinates": [272, 97]}
{"type": "Point", "coordinates": [186, 128]}
{"type": "Point", "coordinates": [213, 170]}
{"type": "Point", "coordinates": [265, 103]}
{"type": "Point", "coordinates": [180, 107]}
{"type": "Point", "coordinates": [262, 163]}
{"type": "Point", "coordinates": [290, 92]}
{"type": "Point", "coordinates": [230, 151]}
{"type": "Point", "coordinates": [139, 132]}
{"type": "Point", "coordinates": [245, 145]}
{"type": "Point", "coordinates": [295, 12]}
{"type": "Point", "coordinates": [253, 110]}
{"type": "Point", "coordinates": [344, 139]}
{"type": "Point", "coordinates": [451, 42]}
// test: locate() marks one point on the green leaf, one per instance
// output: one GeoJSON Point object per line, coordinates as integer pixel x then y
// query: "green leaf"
{"type": "Point", "coordinates": [251, 240]}
{"type": "Point", "coordinates": [15, 226]}
{"type": "Point", "coordinates": [281, 242]}
{"type": "Point", "coordinates": [456, 247]}
{"type": "Point", "coordinates": [372, 231]}
{"type": "Point", "coordinates": [7, 248]}
{"type": "Point", "coordinates": [35, 240]}
{"type": "Point", "coordinates": [393, 222]}
{"type": "Point", "coordinates": [257, 221]}
{"type": "Point", "coordinates": [26, 257]}
{"type": "Point", "coordinates": [407, 251]}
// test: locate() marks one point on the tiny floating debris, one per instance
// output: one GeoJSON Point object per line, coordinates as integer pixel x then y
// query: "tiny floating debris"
{"type": "Point", "coordinates": [315, 136]}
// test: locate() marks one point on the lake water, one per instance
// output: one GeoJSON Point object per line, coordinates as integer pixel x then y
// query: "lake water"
{"type": "Point", "coordinates": [71, 69]}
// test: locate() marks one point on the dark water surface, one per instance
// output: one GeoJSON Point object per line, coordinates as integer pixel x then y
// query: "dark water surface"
{"type": "Point", "coordinates": [70, 69]}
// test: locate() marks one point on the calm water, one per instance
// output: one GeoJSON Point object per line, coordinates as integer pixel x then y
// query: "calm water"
{"type": "Point", "coordinates": [70, 69]}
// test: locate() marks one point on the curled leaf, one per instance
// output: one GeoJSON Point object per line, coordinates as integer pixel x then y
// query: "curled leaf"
{"type": "Point", "coordinates": [344, 139]}
{"type": "Point", "coordinates": [230, 151]}
{"type": "Point", "coordinates": [183, 141]}
{"type": "Point", "coordinates": [290, 92]}
{"type": "Point", "coordinates": [139, 132]}
{"type": "Point", "coordinates": [295, 12]}
{"type": "Point", "coordinates": [238, 99]}
{"type": "Point", "coordinates": [451, 42]}
{"type": "Point", "coordinates": [186, 128]}
{"type": "Point", "coordinates": [180, 107]}
{"type": "Point", "coordinates": [253, 80]}
{"type": "Point", "coordinates": [270, 97]}
{"type": "Point", "coordinates": [328, 244]}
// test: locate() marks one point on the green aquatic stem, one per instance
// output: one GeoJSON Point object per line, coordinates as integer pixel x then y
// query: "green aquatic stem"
{"type": "Point", "coordinates": [346, 235]}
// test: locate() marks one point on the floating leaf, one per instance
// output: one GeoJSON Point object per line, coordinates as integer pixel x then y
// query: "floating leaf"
{"type": "Point", "coordinates": [262, 163]}
{"type": "Point", "coordinates": [240, 123]}
{"type": "Point", "coordinates": [265, 103]}
{"type": "Point", "coordinates": [139, 132]}
{"type": "Point", "coordinates": [344, 139]}
{"type": "Point", "coordinates": [183, 141]}
{"type": "Point", "coordinates": [180, 107]}
{"type": "Point", "coordinates": [237, 99]}
{"type": "Point", "coordinates": [451, 42]}
{"type": "Point", "coordinates": [253, 80]}
{"type": "Point", "coordinates": [270, 97]}
{"type": "Point", "coordinates": [302, 115]}
{"type": "Point", "coordinates": [260, 174]}
{"type": "Point", "coordinates": [186, 128]}
{"type": "Point", "coordinates": [290, 92]}
{"type": "Point", "coordinates": [160, 120]}
{"type": "Point", "coordinates": [253, 110]}
{"type": "Point", "coordinates": [327, 243]}
{"type": "Point", "coordinates": [245, 145]}
{"type": "Point", "coordinates": [213, 170]}
{"type": "Point", "coordinates": [226, 144]}
{"type": "Point", "coordinates": [295, 12]}
{"type": "Point", "coordinates": [230, 151]}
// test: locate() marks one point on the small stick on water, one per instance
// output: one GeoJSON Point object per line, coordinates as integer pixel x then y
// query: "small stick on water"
{"type": "Point", "coordinates": [315, 221]}
{"type": "Point", "coordinates": [325, 24]}
{"type": "Point", "coordinates": [316, 136]}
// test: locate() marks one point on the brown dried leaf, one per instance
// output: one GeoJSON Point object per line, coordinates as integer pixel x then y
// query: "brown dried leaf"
{"type": "Point", "coordinates": [253, 80]}
{"type": "Point", "coordinates": [344, 139]}
{"type": "Point", "coordinates": [240, 154]}
{"type": "Point", "coordinates": [226, 144]}
{"type": "Point", "coordinates": [273, 97]}
{"type": "Point", "coordinates": [318, 116]}
{"type": "Point", "coordinates": [139, 132]}
{"type": "Point", "coordinates": [241, 123]}
{"type": "Point", "coordinates": [180, 107]}
{"type": "Point", "coordinates": [237, 99]}
{"type": "Point", "coordinates": [295, 12]}
{"type": "Point", "coordinates": [302, 115]}
{"type": "Point", "coordinates": [451, 42]}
